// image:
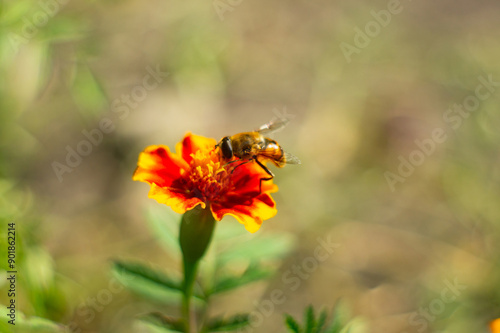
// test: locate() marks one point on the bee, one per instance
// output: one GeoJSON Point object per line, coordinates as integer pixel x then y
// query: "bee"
{"type": "Point", "coordinates": [255, 147]}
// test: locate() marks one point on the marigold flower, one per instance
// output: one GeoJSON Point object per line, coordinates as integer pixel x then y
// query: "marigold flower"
{"type": "Point", "coordinates": [195, 175]}
{"type": "Point", "coordinates": [495, 326]}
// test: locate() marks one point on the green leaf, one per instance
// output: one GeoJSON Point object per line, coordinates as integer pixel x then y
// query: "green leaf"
{"type": "Point", "coordinates": [146, 327]}
{"type": "Point", "coordinates": [144, 272]}
{"type": "Point", "coordinates": [14, 12]}
{"type": "Point", "coordinates": [149, 283]}
{"type": "Point", "coordinates": [64, 29]}
{"type": "Point", "coordinates": [309, 320]}
{"type": "Point", "coordinates": [292, 325]}
{"type": "Point", "coordinates": [88, 92]}
{"type": "Point", "coordinates": [219, 324]}
{"type": "Point", "coordinates": [38, 268]}
{"type": "Point", "coordinates": [39, 325]}
{"type": "Point", "coordinates": [356, 325]}
{"type": "Point", "coordinates": [165, 226]}
{"type": "Point", "coordinates": [336, 325]}
{"type": "Point", "coordinates": [160, 320]}
{"type": "Point", "coordinates": [229, 232]}
{"type": "Point", "coordinates": [31, 324]}
{"type": "Point", "coordinates": [313, 325]}
{"type": "Point", "coordinates": [254, 250]}
{"type": "Point", "coordinates": [252, 273]}
{"type": "Point", "coordinates": [321, 321]}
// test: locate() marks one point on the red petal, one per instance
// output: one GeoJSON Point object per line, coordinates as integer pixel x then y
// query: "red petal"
{"type": "Point", "coordinates": [178, 201]}
{"type": "Point", "coordinates": [246, 179]}
{"type": "Point", "coordinates": [249, 211]}
{"type": "Point", "coordinates": [157, 165]}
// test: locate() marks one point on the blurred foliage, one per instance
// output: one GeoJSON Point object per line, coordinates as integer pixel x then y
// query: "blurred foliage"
{"type": "Point", "coordinates": [353, 121]}
{"type": "Point", "coordinates": [38, 290]}
{"type": "Point", "coordinates": [31, 325]}
{"type": "Point", "coordinates": [225, 267]}
{"type": "Point", "coordinates": [313, 324]}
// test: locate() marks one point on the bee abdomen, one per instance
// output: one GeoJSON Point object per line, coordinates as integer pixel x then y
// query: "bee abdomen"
{"type": "Point", "coordinates": [275, 153]}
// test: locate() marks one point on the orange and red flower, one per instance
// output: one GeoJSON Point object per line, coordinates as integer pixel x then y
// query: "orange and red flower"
{"type": "Point", "coordinates": [195, 175]}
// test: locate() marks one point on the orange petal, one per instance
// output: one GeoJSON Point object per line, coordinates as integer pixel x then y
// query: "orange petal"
{"type": "Point", "coordinates": [157, 165]}
{"type": "Point", "coordinates": [495, 326]}
{"type": "Point", "coordinates": [248, 211]}
{"type": "Point", "coordinates": [179, 202]}
{"type": "Point", "coordinates": [192, 143]}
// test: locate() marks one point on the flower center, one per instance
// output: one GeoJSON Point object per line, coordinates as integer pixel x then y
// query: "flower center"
{"type": "Point", "coordinates": [208, 178]}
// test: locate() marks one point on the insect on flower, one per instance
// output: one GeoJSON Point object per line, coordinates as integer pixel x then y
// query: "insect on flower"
{"type": "Point", "coordinates": [201, 172]}
{"type": "Point", "coordinates": [254, 147]}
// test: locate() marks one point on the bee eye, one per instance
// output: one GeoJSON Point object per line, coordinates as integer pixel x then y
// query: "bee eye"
{"type": "Point", "coordinates": [226, 148]}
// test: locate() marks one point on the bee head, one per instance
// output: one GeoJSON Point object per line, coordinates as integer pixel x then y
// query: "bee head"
{"type": "Point", "coordinates": [226, 148]}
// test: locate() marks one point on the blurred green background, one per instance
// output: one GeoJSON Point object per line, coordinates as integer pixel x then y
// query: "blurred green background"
{"type": "Point", "coordinates": [232, 66]}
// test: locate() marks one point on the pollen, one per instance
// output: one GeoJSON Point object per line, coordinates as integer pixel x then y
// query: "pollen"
{"type": "Point", "coordinates": [208, 178]}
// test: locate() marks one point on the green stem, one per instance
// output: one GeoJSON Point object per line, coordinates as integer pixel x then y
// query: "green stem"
{"type": "Point", "coordinates": [197, 226]}
{"type": "Point", "coordinates": [189, 278]}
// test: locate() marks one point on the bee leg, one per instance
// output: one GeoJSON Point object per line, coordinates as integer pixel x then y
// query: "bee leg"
{"type": "Point", "coordinates": [266, 170]}
{"type": "Point", "coordinates": [230, 162]}
{"type": "Point", "coordinates": [239, 164]}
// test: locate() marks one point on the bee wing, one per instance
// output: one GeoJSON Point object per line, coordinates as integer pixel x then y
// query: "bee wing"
{"type": "Point", "coordinates": [291, 159]}
{"type": "Point", "coordinates": [273, 126]}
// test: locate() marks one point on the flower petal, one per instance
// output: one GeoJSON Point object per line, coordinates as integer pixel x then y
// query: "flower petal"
{"type": "Point", "coordinates": [189, 177]}
{"type": "Point", "coordinates": [192, 143]}
{"type": "Point", "coordinates": [178, 201]}
{"type": "Point", "coordinates": [246, 179]}
{"type": "Point", "coordinates": [249, 211]}
{"type": "Point", "coordinates": [157, 165]}
{"type": "Point", "coordinates": [495, 326]}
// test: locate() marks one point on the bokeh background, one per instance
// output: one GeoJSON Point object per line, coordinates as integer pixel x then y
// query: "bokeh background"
{"type": "Point", "coordinates": [232, 66]}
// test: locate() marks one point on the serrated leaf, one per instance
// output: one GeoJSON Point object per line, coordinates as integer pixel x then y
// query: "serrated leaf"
{"type": "Point", "coordinates": [149, 283]}
{"type": "Point", "coordinates": [309, 319]}
{"type": "Point", "coordinates": [252, 274]}
{"type": "Point", "coordinates": [163, 321]}
{"type": "Point", "coordinates": [292, 325]}
{"type": "Point", "coordinates": [220, 324]}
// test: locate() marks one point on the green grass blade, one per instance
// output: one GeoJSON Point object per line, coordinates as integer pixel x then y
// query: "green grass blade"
{"type": "Point", "coordinates": [292, 324]}
{"type": "Point", "coordinates": [309, 321]}
{"type": "Point", "coordinates": [321, 322]}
